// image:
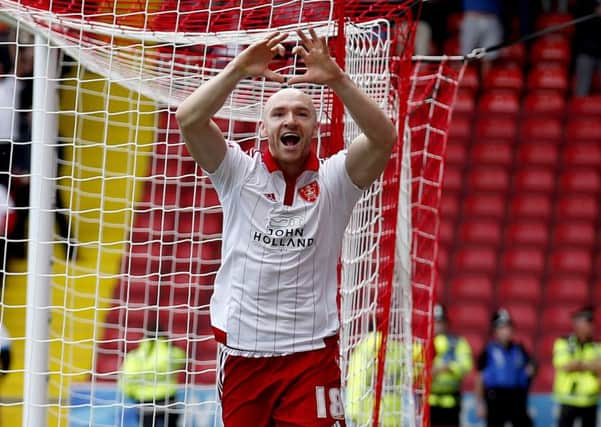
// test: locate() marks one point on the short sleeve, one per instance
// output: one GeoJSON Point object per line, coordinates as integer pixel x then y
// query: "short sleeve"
{"type": "Point", "coordinates": [338, 181]}
{"type": "Point", "coordinates": [231, 171]}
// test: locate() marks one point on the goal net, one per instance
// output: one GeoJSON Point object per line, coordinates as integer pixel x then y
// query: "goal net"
{"type": "Point", "coordinates": [124, 229]}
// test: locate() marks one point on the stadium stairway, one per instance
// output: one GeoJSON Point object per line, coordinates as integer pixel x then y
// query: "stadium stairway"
{"type": "Point", "coordinates": [81, 287]}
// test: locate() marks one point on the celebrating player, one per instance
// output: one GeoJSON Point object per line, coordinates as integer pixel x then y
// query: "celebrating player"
{"type": "Point", "coordinates": [274, 304]}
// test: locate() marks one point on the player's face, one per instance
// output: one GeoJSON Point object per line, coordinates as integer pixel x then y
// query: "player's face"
{"type": "Point", "coordinates": [504, 333]}
{"type": "Point", "coordinates": [583, 329]}
{"type": "Point", "coordinates": [289, 123]}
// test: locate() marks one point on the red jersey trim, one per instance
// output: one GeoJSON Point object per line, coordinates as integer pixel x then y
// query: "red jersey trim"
{"type": "Point", "coordinates": [220, 336]}
{"type": "Point", "coordinates": [312, 163]}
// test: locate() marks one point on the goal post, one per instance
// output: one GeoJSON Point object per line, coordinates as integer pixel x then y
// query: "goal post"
{"type": "Point", "coordinates": [144, 222]}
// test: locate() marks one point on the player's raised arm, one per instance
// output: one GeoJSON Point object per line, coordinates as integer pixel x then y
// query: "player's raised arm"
{"type": "Point", "coordinates": [203, 137]}
{"type": "Point", "coordinates": [369, 153]}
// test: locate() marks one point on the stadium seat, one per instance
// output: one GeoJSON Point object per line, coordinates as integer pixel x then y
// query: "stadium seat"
{"type": "Point", "coordinates": [567, 289]}
{"type": "Point", "coordinates": [451, 46]}
{"type": "Point", "coordinates": [486, 232]}
{"type": "Point", "coordinates": [454, 21]}
{"type": "Point", "coordinates": [493, 153]}
{"type": "Point", "coordinates": [469, 316]}
{"type": "Point", "coordinates": [583, 129]}
{"type": "Point", "coordinates": [552, 19]}
{"type": "Point", "coordinates": [584, 180]}
{"type": "Point", "coordinates": [558, 318]}
{"type": "Point", "coordinates": [446, 231]}
{"type": "Point", "coordinates": [470, 287]}
{"type": "Point", "coordinates": [443, 258]}
{"type": "Point", "coordinates": [582, 154]}
{"type": "Point", "coordinates": [582, 106]}
{"type": "Point", "coordinates": [525, 338]}
{"type": "Point", "coordinates": [541, 129]}
{"type": "Point", "coordinates": [527, 233]}
{"type": "Point", "coordinates": [534, 179]}
{"type": "Point", "coordinates": [551, 49]}
{"type": "Point", "coordinates": [475, 259]}
{"type": "Point", "coordinates": [452, 180]}
{"type": "Point", "coordinates": [155, 224]}
{"type": "Point", "coordinates": [491, 178]}
{"type": "Point", "coordinates": [456, 151]}
{"type": "Point", "coordinates": [537, 153]}
{"type": "Point", "coordinates": [530, 206]}
{"type": "Point", "coordinates": [548, 78]}
{"type": "Point", "coordinates": [465, 104]}
{"type": "Point", "coordinates": [200, 224]}
{"type": "Point", "coordinates": [476, 339]}
{"type": "Point", "coordinates": [470, 80]}
{"type": "Point", "coordinates": [524, 260]}
{"type": "Point", "coordinates": [545, 344]}
{"type": "Point", "coordinates": [460, 128]}
{"type": "Point", "coordinates": [524, 315]}
{"type": "Point", "coordinates": [571, 261]}
{"type": "Point", "coordinates": [547, 104]}
{"type": "Point", "coordinates": [495, 128]}
{"type": "Point", "coordinates": [543, 381]}
{"type": "Point", "coordinates": [449, 205]}
{"type": "Point", "coordinates": [581, 206]}
{"type": "Point", "coordinates": [580, 233]}
{"type": "Point", "coordinates": [506, 78]}
{"type": "Point", "coordinates": [499, 103]}
{"type": "Point", "coordinates": [484, 205]}
{"type": "Point", "coordinates": [514, 55]}
{"type": "Point", "coordinates": [519, 287]}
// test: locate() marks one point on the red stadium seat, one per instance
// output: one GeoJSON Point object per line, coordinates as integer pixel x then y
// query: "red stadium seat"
{"type": "Point", "coordinates": [492, 178]}
{"type": "Point", "coordinates": [472, 287]}
{"type": "Point", "coordinates": [571, 261]}
{"type": "Point", "coordinates": [545, 77]}
{"type": "Point", "coordinates": [545, 344]}
{"type": "Point", "coordinates": [460, 128]}
{"type": "Point", "coordinates": [507, 78]}
{"type": "Point", "coordinates": [530, 206]}
{"type": "Point", "coordinates": [476, 339]}
{"type": "Point", "coordinates": [469, 316]}
{"type": "Point", "coordinates": [552, 48]}
{"type": "Point", "coordinates": [497, 153]}
{"type": "Point", "coordinates": [535, 179]}
{"type": "Point", "coordinates": [524, 260]}
{"type": "Point", "coordinates": [583, 129]}
{"type": "Point", "coordinates": [465, 104]}
{"type": "Point", "coordinates": [499, 103]}
{"type": "Point", "coordinates": [454, 21]}
{"type": "Point", "coordinates": [543, 381]}
{"type": "Point", "coordinates": [524, 315]}
{"type": "Point", "coordinates": [579, 233]}
{"type": "Point", "coordinates": [547, 20]}
{"type": "Point", "coordinates": [446, 232]}
{"type": "Point", "coordinates": [567, 289]}
{"type": "Point", "coordinates": [527, 233]}
{"type": "Point", "coordinates": [541, 129]}
{"type": "Point", "coordinates": [585, 180]}
{"type": "Point", "coordinates": [525, 338]}
{"type": "Point", "coordinates": [451, 46]}
{"type": "Point", "coordinates": [456, 151]}
{"type": "Point", "coordinates": [452, 178]}
{"type": "Point", "coordinates": [443, 258]}
{"type": "Point", "coordinates": [519, 287]}
{"type": "Point", "coordinates": [470, 80]}
{"type": "Point", "coordinates": [494, 128]}
{"type": "Point", "coordinates": [514, 54]}
{"type": "Point", "coordinates": [585, 106]}
{"type": "Point", "coordinates": [486, 232]}
{"type": "Point", "coordinates": [449, 205]}
{"type": "Point", "coordinates": [484, 205]}
{"type": "Point", "coordinates": [544, 104]}
{"type": "Point", "coordinates": [582, 206]}
{"type": "Point", "coordinates": [537, 153]}
{"type": "Point", "coordinates": [558, 318]}
{"type": "Point", "coordinates": [476, 259]}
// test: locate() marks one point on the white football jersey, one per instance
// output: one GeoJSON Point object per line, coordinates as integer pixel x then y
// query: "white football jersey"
{"type": "Point", "coordinates": [276, 289]}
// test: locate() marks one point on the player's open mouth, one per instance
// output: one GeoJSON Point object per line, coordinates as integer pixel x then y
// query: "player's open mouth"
{"type": "Point", "coordinates": [290, 139]}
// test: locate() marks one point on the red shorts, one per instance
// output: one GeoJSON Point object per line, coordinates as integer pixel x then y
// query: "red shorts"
{"type": "Point", "coordinates": [298, 390]}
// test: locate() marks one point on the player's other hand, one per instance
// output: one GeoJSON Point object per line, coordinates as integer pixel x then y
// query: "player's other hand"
{"type": "Point", "coordinates": [321, 67]}
{"type": "Point", "coordinates": [254, 60]}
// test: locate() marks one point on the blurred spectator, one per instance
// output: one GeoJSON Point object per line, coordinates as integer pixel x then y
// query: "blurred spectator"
{"type": "Point", "coordinates": [481, 27]}
{"type": "Point", "coordinates": [505, 373]}
{"type": "Point", "coordinates": [149, 377]}
{"type": "Point", "coordinates": [6, 227]}
{"type": "Point", "coordinates": [9, 92]}
{"type": "Point", "coordinates": [452, 362]}
{"type": "Point", "coordinates": [555, 6]}
{"type": "Point", "coordinates": [577, 363]}
{"type": "Point", "coordinates": [587, 45]}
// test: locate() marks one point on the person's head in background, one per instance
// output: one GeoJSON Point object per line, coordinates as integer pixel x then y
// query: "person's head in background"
{"type": "Point", "coordinates": [5, 60]}
{"type": "Point", "coordinates": [440, 319]}
{"type": "Point", "coordinates": [502, 326]}
{"type": "Point", "coordinates": [582, 322]}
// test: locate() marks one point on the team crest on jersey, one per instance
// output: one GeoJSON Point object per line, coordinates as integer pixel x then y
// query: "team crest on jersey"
{"type": "Point", "coordinates": [270, 196]}
{"type": "Point", "coordinates": [310, 192]}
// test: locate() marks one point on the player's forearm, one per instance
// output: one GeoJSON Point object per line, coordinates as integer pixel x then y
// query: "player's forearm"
{"type": "Point", "coordinates": [198, 108]}
{"type": "Point", "coordinates": [366, 113]}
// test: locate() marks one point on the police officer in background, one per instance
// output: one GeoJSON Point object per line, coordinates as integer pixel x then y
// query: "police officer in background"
{"type": "Point", "coordinates": [505, 372]}
{"type": "Point", "coordinates": [452, 362]}
{"type": "Point", "coordinates": [577, 363]}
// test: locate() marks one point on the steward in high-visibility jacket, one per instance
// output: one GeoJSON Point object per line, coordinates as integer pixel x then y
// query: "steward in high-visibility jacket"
{"type": "Point", "coordinates": [452, 362]}
{"type": "Point", "coordinates": [360, 389]}
{"type": "Point", "coordinates": [577, 363]}
{"type": "Point", "coordinates": [149, 376]}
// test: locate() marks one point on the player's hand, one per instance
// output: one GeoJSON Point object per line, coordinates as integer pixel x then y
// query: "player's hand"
{"type": "Point", "coordinates": [321, 67]}
{"type": "Point", "coordinates": [254, 60]}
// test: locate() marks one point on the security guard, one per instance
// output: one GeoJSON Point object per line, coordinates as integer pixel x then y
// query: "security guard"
{"type": "Point", "coordinates": [149, 376]}
{"type": "Point", "coordinates": [452, 361]}
{"type": "Point", "coordinates": [505, 373]}
{"type": "Point", "coordinates": [577, 363]}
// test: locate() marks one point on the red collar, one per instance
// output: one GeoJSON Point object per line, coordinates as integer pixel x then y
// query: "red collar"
{"type": "Point", "coordinates": [311, 164]}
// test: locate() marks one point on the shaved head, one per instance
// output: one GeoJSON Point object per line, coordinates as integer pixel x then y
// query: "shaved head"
{"type": "Point", "coordinates": [288, 95]}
